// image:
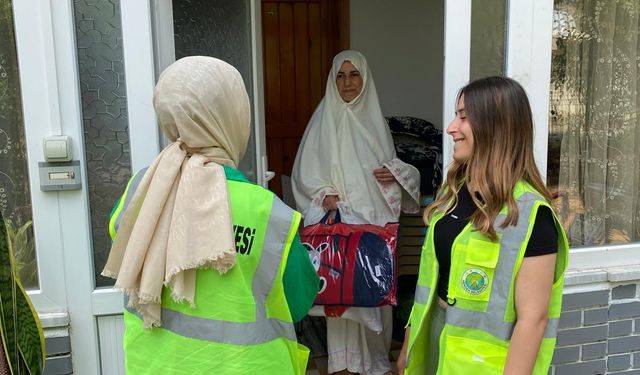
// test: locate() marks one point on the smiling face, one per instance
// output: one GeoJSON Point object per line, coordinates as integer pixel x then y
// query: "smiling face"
{"type": "Point", "coordinates": [460, 130]}
{"type": "Point", "coordinates": [349, 82]}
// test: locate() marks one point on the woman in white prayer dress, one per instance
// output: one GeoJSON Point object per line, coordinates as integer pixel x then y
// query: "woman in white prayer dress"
{"type": "Point", "coordinates": [347, 162]}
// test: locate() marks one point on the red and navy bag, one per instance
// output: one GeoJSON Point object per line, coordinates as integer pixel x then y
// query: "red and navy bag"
{"type": "Point", "coordinates": [356, 263]}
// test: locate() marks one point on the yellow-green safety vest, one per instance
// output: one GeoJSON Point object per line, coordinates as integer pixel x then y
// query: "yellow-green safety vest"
{"type": "Point", "coordinates": [481, 316]}
{"type": "Point", "coordinates": [241, 323]}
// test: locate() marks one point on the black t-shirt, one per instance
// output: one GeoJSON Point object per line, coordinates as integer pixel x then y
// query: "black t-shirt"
{"type": "Point", "coordinates": [543, 240]}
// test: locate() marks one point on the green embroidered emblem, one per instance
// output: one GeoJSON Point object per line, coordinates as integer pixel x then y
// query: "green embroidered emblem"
{"type": "Point", "coordinates": [475, 281]}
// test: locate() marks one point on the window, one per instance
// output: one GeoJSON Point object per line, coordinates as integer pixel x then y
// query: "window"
{"type": "Point", "coordinates": [488, 30]}
{"type": "Point", "coordinates": [15, 199]}
{"type": "Point", "coordinates": [594, 129]}
{"type": "Point", "coordinates": [218, 28]}
{"type": "Point", "coordinates": [104, 112]}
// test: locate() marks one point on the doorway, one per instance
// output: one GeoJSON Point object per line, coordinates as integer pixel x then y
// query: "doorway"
{"type": "Point", "coordinates": [300, 38]}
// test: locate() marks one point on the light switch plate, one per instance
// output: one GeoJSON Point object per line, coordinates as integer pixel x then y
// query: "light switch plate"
{"type": "Point", "coordinates": [57, 148]}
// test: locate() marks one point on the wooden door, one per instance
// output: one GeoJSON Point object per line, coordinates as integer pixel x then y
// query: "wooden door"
{"type": "Point", "coordinates": [300, 38]}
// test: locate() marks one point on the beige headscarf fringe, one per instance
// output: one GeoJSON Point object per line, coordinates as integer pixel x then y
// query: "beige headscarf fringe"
{"type": "Point", "coordinates": [163, 239]}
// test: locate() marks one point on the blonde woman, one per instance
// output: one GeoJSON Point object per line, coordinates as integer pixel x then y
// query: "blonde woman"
{"type": "Point", "coordinates": [489, 291]}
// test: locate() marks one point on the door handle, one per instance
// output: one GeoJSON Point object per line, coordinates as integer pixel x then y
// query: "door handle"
{"type": "Point", "coordinates": [269, 175]}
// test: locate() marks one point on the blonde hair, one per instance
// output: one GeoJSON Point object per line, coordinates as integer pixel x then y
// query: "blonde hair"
{"type": "Point", "coordinates": [502, 125]}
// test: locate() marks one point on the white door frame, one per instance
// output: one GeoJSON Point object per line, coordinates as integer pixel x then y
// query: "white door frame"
{"type": "Point", "coordinates": [42, 117]}
{"type": "Point", "coordinates": [263, 175]}
{"type": "Point", "coordinates": [457, 59]}
{"type": "Point", "coordinates": [48, 65]}
{"type": "Point", "coordinates": [45, 39]}
{"type": "Point", "coordinates": [528, 55]}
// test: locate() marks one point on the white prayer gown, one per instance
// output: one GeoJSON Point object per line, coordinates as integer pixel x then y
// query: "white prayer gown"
{"type": "Point", "coordinates": [342, 145]}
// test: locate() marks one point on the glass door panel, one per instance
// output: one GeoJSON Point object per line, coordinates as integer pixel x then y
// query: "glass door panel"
{"type": "Point", "coordinates": [219, 28]}
{"type": "Point", "coordinates": [104, 112]}
{"type": "Point", "coordinates": [488, 32]}
{"type": "Point", "coordinates": [15, 200]}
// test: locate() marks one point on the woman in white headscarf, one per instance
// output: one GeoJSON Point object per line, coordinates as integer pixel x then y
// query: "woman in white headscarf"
{"type": "Point", "coordinates": [214, 272]}
{"type": "Point", "coordinates": [347, 161]}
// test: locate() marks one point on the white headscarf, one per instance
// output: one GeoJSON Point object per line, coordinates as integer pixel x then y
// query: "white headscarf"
{"type": "Point", "coordinates": [342, 145]}
{"type": "Point", "coordinates": [179, 218]}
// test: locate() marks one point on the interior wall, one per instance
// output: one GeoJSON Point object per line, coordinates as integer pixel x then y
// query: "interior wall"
{"type": "Point", "coordinates": [403, 42]}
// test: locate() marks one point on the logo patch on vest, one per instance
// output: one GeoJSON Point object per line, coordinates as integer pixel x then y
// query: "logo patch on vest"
{"type": "Point", "coordinates": [475, 281]}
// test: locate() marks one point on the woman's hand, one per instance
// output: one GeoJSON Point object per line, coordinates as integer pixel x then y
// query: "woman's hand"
{"type": "Point", "coordinates": [402, 357]}
{"type": "Point", "coordinates": [383, 175]}
{"type": "Point", "coordinates": [330, 203]}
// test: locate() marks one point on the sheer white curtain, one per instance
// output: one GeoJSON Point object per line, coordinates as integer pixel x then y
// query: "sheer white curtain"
{"type": "Point", "coordinates": [595, 111]}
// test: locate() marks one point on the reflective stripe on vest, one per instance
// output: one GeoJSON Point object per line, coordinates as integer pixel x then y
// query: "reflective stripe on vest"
{"type": "Point", "coordinates": [129, 191]}
{"type": "Point", "coordinates": [492, 321]}
{"type": "Point", "coordinates": [502, 330]}
{"type": "Point", "coordinates": [264, 329]}
{"type": "Point", "coordinates": [422, 294]}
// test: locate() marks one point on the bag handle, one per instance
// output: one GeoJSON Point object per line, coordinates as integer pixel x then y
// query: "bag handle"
{"type": "Point", "coordinates": [336, 219]}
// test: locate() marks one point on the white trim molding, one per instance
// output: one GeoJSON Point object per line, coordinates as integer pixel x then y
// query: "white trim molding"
{"type": "Point", "coordinates": [528, 57]}
{"type": "Point", "coordinates": [457, 59]}
{"type": "Point", "coordinates": [45, 38]}
{"type": "Point", "coordinates": [258, 94]}
{"type": "Point", "coordinates": [604, 257]}
{"type": "Point", "coordinates": [138, 48]}
{"type": "Point", "coordinates": [41, 112]}
{"type": "Point", "coordinates": [162, 32]}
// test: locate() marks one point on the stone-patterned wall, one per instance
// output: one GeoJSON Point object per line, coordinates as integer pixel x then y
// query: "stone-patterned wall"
{"type": "Point", "coordinates": [600, 332]}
